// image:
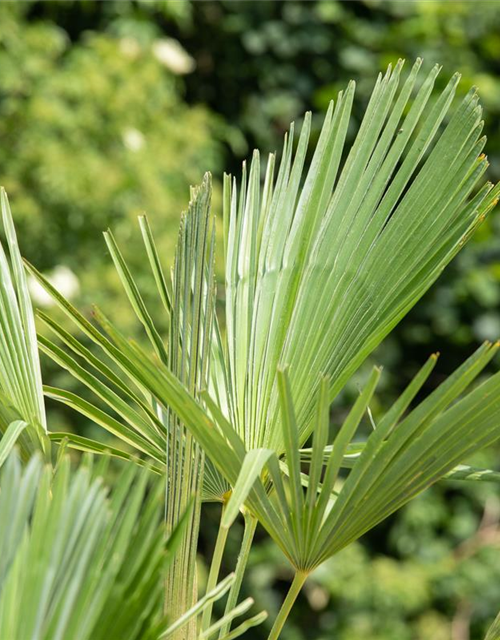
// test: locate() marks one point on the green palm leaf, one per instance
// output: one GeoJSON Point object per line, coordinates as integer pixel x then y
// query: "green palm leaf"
{"type": "Point", "coordinates": [76, 561]}
{"type": "Point", "coordinates": [317, 275]}
{"type": "Point", "coordinates": [396, 463]}
{"type": "Point", "coordinates": [494, 630]}
{"type": "Point", "coordinates": [191, 318]}
{"type": "Point", "coordinates": [402, 457]}
{"type": "Point", "coordinates": [20, 377]}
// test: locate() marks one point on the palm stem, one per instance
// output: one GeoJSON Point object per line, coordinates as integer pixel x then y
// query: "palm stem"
{"type": "Point", "coordinates": [246, 545]}
{"type": "Point", "coordinates": [213, 576]}
{"type": "Point", "coordinates": [295, 587]}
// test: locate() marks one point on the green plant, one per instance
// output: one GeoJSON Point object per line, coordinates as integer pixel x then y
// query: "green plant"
{"type": "Point", "coordinates": [113, 561]}
{"type": "Point", "coordinates": [89, 148]}
{"type": "Point", "coordinates": [319, 268]}
{"type": "Point", "coordinates": [494, 630]}
{"type": "Point", "coordinates": [76, 562]}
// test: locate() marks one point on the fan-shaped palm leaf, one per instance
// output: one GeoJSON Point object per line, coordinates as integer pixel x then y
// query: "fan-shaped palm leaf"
{"type": "Point", "coordinates": [401, 458]}
{"type": "Point", "coordinates": [318, 274]}
{"type": "Point", "coordinates": [76, 562]}
{"type": "Point", "coordinates": [21, 394]}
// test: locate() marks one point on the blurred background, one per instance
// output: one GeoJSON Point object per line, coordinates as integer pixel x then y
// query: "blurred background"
{"type": "Point", "coordinates": [109, 109]}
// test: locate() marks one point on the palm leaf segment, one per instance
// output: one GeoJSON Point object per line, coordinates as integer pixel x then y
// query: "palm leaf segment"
{"type": "Point", "coordinates": [191, 308]}
{"type": "Point", "coordinates": [494, 631]}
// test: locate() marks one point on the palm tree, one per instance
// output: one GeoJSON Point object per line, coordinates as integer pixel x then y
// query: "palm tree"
{"type": "Point", "coordinates": [320, 264]}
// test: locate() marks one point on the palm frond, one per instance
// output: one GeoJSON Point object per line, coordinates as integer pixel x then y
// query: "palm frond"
{"type": "Point", "coordinates": [76, 561]}
{"type": "Point", "coordinates": [401, 458]}
{"type": "Point", "coordinates": [190, 306]}
{"type": "Point", "coordinates": [317, 275]}
{"type": "Point", "coordinates": [494, 631]}
{"type": "Point", "coordinates": [192, 300]}
{"type": "Point", "coordinates": [20, 376]}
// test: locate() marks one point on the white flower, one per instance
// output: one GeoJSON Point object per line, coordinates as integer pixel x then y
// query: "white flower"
{"type": "Point", "coordinates": [173, 56]}
{"type": "Point", "coordinates": [133, 139]}
{"type": "Point", "coordinates": [62, 278]}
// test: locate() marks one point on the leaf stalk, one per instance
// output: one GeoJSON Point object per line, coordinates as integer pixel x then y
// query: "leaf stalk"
{"type": "Point", "coordinates": [213, 576]}
{"type": "Point", "coordinates": [293, 592]}
{"type": "Point", "coordinates": [246, 545]}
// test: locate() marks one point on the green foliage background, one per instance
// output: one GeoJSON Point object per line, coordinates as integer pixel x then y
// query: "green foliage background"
{"type": "Point", "coordinates": [108, 109]}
